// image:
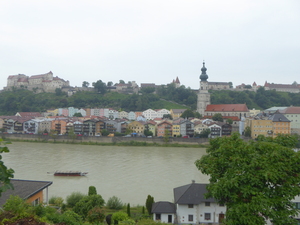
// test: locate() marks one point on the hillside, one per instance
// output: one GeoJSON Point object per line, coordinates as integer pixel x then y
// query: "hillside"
{"type": "Point", "coordinates": [167, 97]}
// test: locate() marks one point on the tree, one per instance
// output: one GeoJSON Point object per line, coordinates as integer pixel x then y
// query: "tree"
{"type": "Point", "coordinates": [109, 83]}
{"type": "Point", "coordinates": [128, 210]}
{"type": "Point", "coordinates": [119, 216]}
{"type": "Point", "coordinates": [187, 114]}
{"type": "Point", "coordinates": [167, 116]}
{"type": "Point", "coordinates": [114, 203]}
{"type": "Point", "coordinates": [247, 132]}
{"type": "Point", "coordinates": [5, 173]}
{"type": "Point", "coordinates": [71, 134]}
{"type": "Point", "coordinates": [92, 190]}
{"type": "Point", "coordinates": [96, 215]}
{"type": "Point", "coordinates": [149, 202]}
{"type": "Point", "coordinates": [100, 87]}
{"type": "Point", "coordinates": [255, 180]}
{"type": "Point", "coordinates": [85, 84]}
{"type": "Point", "coordinates": [217, 117]}
{"type": "Point", "coordinates": [87, 203]}
{"type": "Point", "coordinates": [73, 198]}
{"type": "Point", "coordinates": [229, 121]}
{"type": "Point", "coordinates": [204, 133]}
{"type": "Point", "coordinates": [104, 132]}
{"type": "Point", "coordinates": [198, 115]}
{"type": "Point", "coordinates": [121, 81]}
{"type": "Point", "coordinates": [78, 114]}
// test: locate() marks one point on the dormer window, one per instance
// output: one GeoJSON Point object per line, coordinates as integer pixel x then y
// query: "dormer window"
{"type": "Point", "coordinates": [190, 206]}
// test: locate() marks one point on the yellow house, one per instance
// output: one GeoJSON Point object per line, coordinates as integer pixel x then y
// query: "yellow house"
{"type": "Point", "coordinates": [54, 112]}
{"type": "Point", "coordinates": [261, 127]}
{"type": "Point", "coordinates": [136, 127]}
{"type": "Point", "coordinates": [281, 125]}
{"type": "Point", "coordinates": [176, 113]}
{"type": "Point", "coordinates": [270, 127]}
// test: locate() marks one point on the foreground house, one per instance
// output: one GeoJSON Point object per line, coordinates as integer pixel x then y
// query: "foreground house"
{"type": "Point", "coordinates": [30, 190]}
{"type": "Point", "coordinates": [191, 207]}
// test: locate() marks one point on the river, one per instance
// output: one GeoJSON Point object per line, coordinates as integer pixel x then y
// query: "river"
{"type": "Point", "coordinates": [130, 173]}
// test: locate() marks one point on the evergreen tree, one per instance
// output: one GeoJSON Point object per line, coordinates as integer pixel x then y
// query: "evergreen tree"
{"type": "Point", "coordinates": [149, 202]}
{"type": "Point", "coordinates": [92, 190]}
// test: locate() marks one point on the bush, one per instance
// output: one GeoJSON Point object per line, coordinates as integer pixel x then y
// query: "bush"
{"type": "Point", "coordinates": [114, 203]}
{"type": "Point", "coordinates": [118, 217]}
{"type": "Point", "coordinates": [73, 198]}
{"type": "Point", "coordinates": [87, 203]}
{"type": "Point", "coordinates": [17, 206]}
{"type": "Point", "coordinates": [96, 215]}
{"type": "Point", "coordinates": [57, 201]}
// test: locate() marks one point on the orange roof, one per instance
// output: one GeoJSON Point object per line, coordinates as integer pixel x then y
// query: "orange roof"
{"type": "Point", "coordinates": [291, 110]}
{"type": "Point", "coordinates": [227, 108]}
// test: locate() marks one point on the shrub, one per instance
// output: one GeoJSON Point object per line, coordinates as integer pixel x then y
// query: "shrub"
{"type": "Point", "coordinates": [17, 206]}
{"type": "Point", "coordinates": [114, 203]}
{"type": "Point", "coordinates": [87, 203]}
{"type": "Point", "coordinates": [92, 190]}
{"type": "Point", "coordinates": [96, 215]}
{"type": "Point", "coordinates": [119, 216]}
{"type": "Point", "coordinates": [57, 201]}
{"type": "Point", "coordinates": [73, 198]}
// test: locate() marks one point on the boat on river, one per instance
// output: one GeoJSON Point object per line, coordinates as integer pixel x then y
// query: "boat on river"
{"type": "Point", "coordinates": [69, 173]}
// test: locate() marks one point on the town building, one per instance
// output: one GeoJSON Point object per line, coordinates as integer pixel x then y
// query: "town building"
{"type": "Point", "coordinates": [203, 99]}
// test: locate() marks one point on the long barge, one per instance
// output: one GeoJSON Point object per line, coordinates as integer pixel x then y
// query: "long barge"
{"type": "Point", "coordinates": [69, 173]}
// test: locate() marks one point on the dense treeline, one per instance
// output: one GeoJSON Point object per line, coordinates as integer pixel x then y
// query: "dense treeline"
{"type": "Point", "coordinates": [261, 99]}
{"type": "Point", "coordinates": [22, 100]}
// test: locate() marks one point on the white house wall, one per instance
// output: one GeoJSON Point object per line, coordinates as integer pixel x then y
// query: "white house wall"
{"type": "Point", "coordinates": [198, 212]}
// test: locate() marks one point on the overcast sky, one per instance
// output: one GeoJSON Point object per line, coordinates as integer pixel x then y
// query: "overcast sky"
{"type": "Point", "coordinates": [151, 41]}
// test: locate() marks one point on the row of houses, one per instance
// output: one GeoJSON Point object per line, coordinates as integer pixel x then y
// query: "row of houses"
{"type": "Point", "coordinates": [34, 123]}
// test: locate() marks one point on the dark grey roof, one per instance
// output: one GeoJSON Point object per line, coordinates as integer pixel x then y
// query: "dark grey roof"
{"type": "Point", "coordinates": [24, 189]}
{"type": "Point", "coordinates": [191, 194]}
{"type": "Point", "coordinates": [278, 117]}
{"type": "Point", "coordinates": [163, 207]}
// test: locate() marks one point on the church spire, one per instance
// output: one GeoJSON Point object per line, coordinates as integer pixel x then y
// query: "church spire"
{"type": "Point", "coordinates": [203, 76]}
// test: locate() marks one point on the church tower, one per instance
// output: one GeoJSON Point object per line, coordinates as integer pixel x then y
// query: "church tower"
{"type": "Point", "coordinates": [203, 95]}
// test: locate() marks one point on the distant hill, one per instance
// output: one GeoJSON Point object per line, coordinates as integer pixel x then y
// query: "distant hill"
{"type": "Point", "coordinates": [168, 97]}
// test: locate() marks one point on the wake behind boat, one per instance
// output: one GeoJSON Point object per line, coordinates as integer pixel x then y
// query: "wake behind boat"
{"type": "Point", "coordinates": [69, 173]}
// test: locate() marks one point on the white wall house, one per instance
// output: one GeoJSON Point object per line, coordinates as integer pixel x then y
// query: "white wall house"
{"type": "Point", "coordinates": [191, 207]}
{"type": "Point", "coordinates": [162, 112]}
{"type": "Point", "coordinates": [149, 114]}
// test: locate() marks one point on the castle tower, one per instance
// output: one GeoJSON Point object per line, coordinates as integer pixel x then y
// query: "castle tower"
{"type": "Point", "coordinates": [203, 95]}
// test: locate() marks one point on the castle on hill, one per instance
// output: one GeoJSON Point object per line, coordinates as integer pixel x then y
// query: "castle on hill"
{"type": "Point", "coordinates": [43, 82]}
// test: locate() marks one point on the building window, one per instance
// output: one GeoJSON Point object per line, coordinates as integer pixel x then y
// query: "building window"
{"type": "Point", "coordinates": [190, 205]}
{"type": "Point", "coordinates": [36, 202]}
{"type": "Point", "coordinates": [157, 217]}
{"type": "Point", "coordinates": [191, 218]}
{"type": "Point", "coordinates": [297, 205]}
{"type": "Point", "coordinates": [221, 204]}
{"type": "Point", "coordinates": [207, 216]}
{"type": "Point", "coordinates": [207, 203]}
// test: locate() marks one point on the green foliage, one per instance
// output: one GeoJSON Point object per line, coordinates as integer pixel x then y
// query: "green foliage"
{"type": "Point", "coordinates": [217, 117]}
{"type": "Point", "coordinates": [188, 114]}
{"type": "Point", "coordinates": [147, 90]}
{"type": "Point", "coordinates": [73, 198]}
{"type": "Point", "coordinates": [5, 173]}
{"type": "Point", "coordinates": [57, 201]}
{"type": "Point", "coordinates": [255, 180]}
{"type": "Point", "coordinates": [17, 206]}
{"type": "Point", "coordinates": [87, 203]}
{"type": "Point", "coordinates": [166, 136]}
{"type": "Point", "coordinates": [104, 132]}
{"type": "Point", "coordinates": [247, 132]}
{"type": "Point", "coordinates": [85, 84]}
{"type": "Point", "coordinates": [149, 202]}
{"type": "Point", "coordinates": [92, 190]}
{"type": "Point", "coordinates": [127, 222]}
{"type": "Point", "coordinates": [96, 215]}
{"type": "Point", "coordinates": [128, 210]}
{"type": "Point", "coordinates": [114, 203]}
{"type": "Point", "coordinates": [167, 116]}
{"type": "Point", "coordinates": [148, 221]}
{"type": "Point", "coordinates": [100, 87]}
{"type": "Point", "coordinates": [229, 121]}
{"type": "Point", "coordinates": [204, 133]}
{"type": "Point", "coordinates": [117, 217]}
{"type": "Point", "coordinates": [77, 114]}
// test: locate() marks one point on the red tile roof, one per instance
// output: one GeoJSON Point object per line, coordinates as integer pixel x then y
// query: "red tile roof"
{"type": "Point", "coordinates": [227, 108]}
{"type": "Point", "coordinates": [291, 110]}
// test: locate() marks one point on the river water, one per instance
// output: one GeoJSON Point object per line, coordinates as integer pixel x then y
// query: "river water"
{"type": "Point", "coordinates": [130, 173]}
